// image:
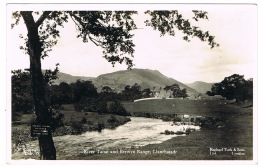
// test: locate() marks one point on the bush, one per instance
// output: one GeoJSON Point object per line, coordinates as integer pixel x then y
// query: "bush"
{"type": "Point", "coordinates": [166, 118]}
{"type": "Point", "coordinates": [177, 119]}
{"type": "Point", "coordinates": [100, 126]}
{"type": "Point", "coordinates": [56, 120]}
{"type": "Point", "coordinates": [88, 104]}
{"type": "Point", "coordinates": [112, 119]}
{"type": "Point", "coordinates": [84, 120]}
{"type": "Point", "coordinates": [117, 108]}
{"type": "Point", "coordinates": [77, 127]}
{"type": "Point", "coordinates": [16, 116]}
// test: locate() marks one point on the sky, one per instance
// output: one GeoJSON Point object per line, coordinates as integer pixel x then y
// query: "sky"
{"type": "Point", "coordinates": [234, 28]}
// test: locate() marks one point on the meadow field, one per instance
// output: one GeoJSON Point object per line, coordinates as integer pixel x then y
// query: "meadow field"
{"type": "Point", "coordinates": [179, 106]}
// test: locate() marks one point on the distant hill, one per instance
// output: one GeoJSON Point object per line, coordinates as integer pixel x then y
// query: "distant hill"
{"type": "Point", "coordinates": [118, 80]}
{"type": "Point", "coordinates": [69, 78]}
{"type": "Point", "coordinates": [144, 77]}
{"type": "Point", "coordinates": [200, 86]}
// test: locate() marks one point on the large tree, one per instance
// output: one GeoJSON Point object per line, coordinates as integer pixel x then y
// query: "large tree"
{"type": "Point", "coordinates": [234, 87]}
{"type": "Point", "coordinates": [176, 91]}
{"type": "Point", "coordinates": [110, 30]}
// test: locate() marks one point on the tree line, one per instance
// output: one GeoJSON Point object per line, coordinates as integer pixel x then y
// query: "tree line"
{"type": "Point", "coordinates": [233, 87]}
{"type": "Point", "coordinates": [82, 94]}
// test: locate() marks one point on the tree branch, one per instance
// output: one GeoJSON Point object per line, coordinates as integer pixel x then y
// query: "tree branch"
{"type": "Point", "coordinates": [28, 19]}
{"type": "Point", "coordinates": [94, 41]}
{"type": "Point", "coordinates": [76, 23]}
{"type": "Point", "coordinates": [42, 18]}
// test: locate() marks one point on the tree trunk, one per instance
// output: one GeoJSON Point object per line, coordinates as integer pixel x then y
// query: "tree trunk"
{"type": "Point", "coordinates": [46, 144]}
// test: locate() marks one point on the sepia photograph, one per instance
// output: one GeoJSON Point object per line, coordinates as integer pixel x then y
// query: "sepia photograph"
{"type": "Point", "coordinates": [132, 82]}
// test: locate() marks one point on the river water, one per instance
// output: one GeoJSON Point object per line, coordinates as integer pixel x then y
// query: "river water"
{"type": "Point", "coordinates": [138, 132]}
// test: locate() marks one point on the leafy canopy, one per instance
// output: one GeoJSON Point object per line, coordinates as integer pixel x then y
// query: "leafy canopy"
{"type": "Point", "coordinates": [110, 30]}
{"type": "Point", "coordinates": [234, 87]}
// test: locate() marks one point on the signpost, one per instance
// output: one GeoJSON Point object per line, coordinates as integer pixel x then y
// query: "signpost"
{"type": "Point", "coordinates": [40, 130]}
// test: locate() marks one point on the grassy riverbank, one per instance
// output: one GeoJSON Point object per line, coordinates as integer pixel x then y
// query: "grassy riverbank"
{"type": "Point", "coordinates": [74, 123]}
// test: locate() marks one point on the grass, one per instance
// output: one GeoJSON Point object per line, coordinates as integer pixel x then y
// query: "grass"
{"type": "Point", "coordinates": [205, 108]}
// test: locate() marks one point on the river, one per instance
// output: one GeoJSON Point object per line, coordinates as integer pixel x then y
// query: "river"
{"type": "Point", "coordinates": [136, 133]}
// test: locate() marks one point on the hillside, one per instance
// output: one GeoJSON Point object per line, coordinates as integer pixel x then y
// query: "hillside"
{"type": "Point", "coordinates": [200, 86]}
{"type": "Point", "coordinates": [144, 77]}
{"type": "Point", "coordinates": [118, 80]}
{"type": "Point", "coordinates": [62, 77]}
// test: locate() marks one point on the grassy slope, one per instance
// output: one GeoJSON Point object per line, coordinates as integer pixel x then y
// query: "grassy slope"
{"type": "Point", "coordinates": [200, 86]}
{"type": "Point", "coordinates": [144, 77]}
{"type": "Point", "coordinates": [62, 77]}
{"type": "Point", "coordinates": [178, 106]}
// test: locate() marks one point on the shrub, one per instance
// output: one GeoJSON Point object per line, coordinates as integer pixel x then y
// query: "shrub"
{"type": "Point", "coordinates": [117, 108]}
{"type": "Point", "coordinates": [166, 118]}
{"type": "Point", "coordinates": [177, 119]}
{"type": "Point", "coordinates": [100, 126]}
{"type": "Point", "coordinates": [56, 120]}
{"type": "Point", "coordinates": [112, 119]}
{"type": "Point", "coordinates": [89, 122]}
{"type": "Point", "coordinates": [16, 116]}
{"type": "Point", "coordinates": [77, 127]}
{"type": "Point", "coordinates": [83, 120]}
{"type": "Point", "coordinates": [88, 104]}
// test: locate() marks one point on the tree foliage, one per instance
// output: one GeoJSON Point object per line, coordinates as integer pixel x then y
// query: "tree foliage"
{"type": "Point", "coordinates": [22, 97]}
{"type": "Point", "coordinates": [115, 107]}
{"type": "Point", "coordinates": [22, 100]}
{"type": "Point", "coordinates": [83, 89]}
{"type": "Point", "coordinates": [90, 104]}
{"type": "Point", "coordinates": [106, 89]}
{"type": "Point", "coordinates": [176, 91]}
{"type": "Point", "coordinates": [167, 22]}
{"type": "Point", "coordinates": [110, 30]}
{"type": "Point", "coordinates": [146, 93]}
{"type": "Point", "coordinates": [234, 87]}
{"type": "Point", "coordinates": [132, 92]}
{"type": "Point", "coordinates": [60, 94]}
{"type": "Point", "coordinates": [209, 93]}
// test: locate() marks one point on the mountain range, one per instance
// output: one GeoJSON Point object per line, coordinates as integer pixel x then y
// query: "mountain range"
{"type": "Point", "coordinates": [200, 86]}
{"type": "Point", "coordinates": [63, 77]}
{"type": "Point", "coordinates": [146, 78]}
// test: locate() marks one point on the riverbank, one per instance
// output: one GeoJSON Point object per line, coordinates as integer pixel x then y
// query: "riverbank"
{"type": "Point", "coordinates": [75, 123]}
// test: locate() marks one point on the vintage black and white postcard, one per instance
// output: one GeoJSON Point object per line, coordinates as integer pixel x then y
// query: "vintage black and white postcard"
{"type": "Point", "coordinates": [132, 82]}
